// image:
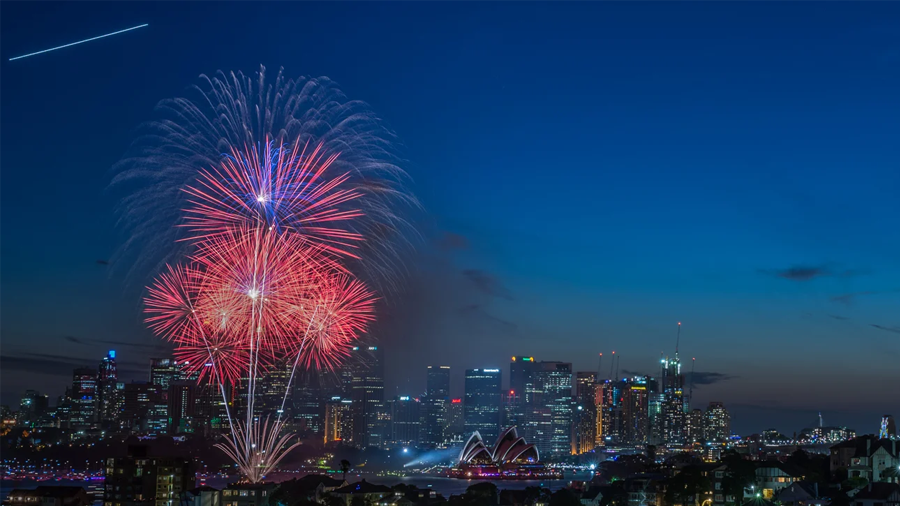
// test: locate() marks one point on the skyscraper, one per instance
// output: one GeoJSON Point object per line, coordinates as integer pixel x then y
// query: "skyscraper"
{"type": "Point", "coordinates": [482, 402]}
{"type": "Point", "coordinates": [672, 409]}
{"type": "Point", "coordinates": [694, 424]}
{"type": "Point", "coordinates": [366, 372]}
{"type": "Point", "coordinates": [718, 422]}
{"type": "Point", "coordinates": [584, 427]}
{"type": "Point", "coordinates": [337, 419]}
{"type": "Point", "coordinates": [110, 401]}
{"type": "Point", "coordinates": [32, 407]}
{"type": "Point", "coordinates": [83, 414]}
{"type": "Point", "coordinates": [635, 410]}
{"type": "Point", "coordinates": [456, 421]}
{"type": "Point", "coordinates": [433, 406]}
{"type": "Point", "coordinates": [611, 420]}
{"type": "Point", "coordinates": [405, 421]}
{"type": "Point", "coordinates": [548, 409]}
{"type": "Point", "coordinates": [438, 382]}
{"type": "Point", "coordinates": [544, 410]}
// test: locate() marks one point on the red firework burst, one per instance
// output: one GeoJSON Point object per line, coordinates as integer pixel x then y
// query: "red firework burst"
{"type": "Point", "coordinates": [285, 187]}
{"type": "Point", "coordinates": [343, 309]}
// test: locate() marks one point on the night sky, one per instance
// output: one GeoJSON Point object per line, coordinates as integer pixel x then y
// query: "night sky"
{"type": "Point", "coordinates": [590, 174]}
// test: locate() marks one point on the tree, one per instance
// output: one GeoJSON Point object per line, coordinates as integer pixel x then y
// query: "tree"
{"type": "Point", "coordinates": [332, 500]}
{"type": "Point", "coordinates": [686, 487]}
{"type": "Point", "coordinates": [564, 497]}
{"type": "Point", "coordinates": [739, 475]}
{"type": "Point", "coordinates": [483, 493]}
{"type": "Point", "coordinates": [345, 467]}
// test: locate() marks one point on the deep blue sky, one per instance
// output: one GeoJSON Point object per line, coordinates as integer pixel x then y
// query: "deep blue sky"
{"type": "Point", "coordinates": [591, 174]}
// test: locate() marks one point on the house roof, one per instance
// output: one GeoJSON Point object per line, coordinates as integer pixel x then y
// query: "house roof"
{"type": "Point", "coordinates": [315, 479]}
{"type": "Point", "coordinates": [865, 446]}
{"type": "Point", "coordinates": [785, 468]}
{"type": "Point", "coordinates": [363, 487]}
{"type": "Point", "coordinates": [48, 491]}
{"type": "Point", "coordinates": [204, 488]}
{"type": "Point", "coordinates": [877, 491]}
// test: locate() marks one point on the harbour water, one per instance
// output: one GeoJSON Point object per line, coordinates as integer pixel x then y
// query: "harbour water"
{"type": "Point", "coordinates": [443, 485]}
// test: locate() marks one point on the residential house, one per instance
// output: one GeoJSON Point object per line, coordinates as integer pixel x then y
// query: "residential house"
{"type": "Point", "coordinates": [247, 494]}
{"type": "Point", "coordinates": [201, 496]}
{"type": "Point", "coordinates": [49, 496]}
{"type": "Point", "coordinates": [877, 494]}
{"type": "Point", "coordinates": [772, 476]}
{"type": "Point", "coordinates": [370, 492]}
{"type": "Point", "coordinates": [866, 457]}
{"type": "Point", "coordinates": [802, 493]}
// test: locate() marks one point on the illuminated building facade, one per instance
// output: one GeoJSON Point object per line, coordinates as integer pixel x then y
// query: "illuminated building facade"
{"type": "Point", "coordinates": [584, 427]}
{"type": "Point", "coordinates": [694, 427]}
{"type": "Point", "coordinates": [635, 410]}
{"type": "Point", "coordinates": [109, 396]}
{"type": "Point", "coordinates": [482, 402]}
{"type": "Point", "coordinates": [366, 366]}
{"type": "Point", "coordinates": [718, 422]}
{"type": "Point", "coordinates": [456, 420]}
{"type": "Point", "coordinates": [338, 421]}
{"type": "Point", "coordinates": [548, 411]}
{"type": "Point", "coordinates": [32, 407]}
{"type": "Point", "coordinates": [83, 414]}
{"type": "Point", "coordinates": [611, 412]}
{"type": "Point", "coordinates": [434, 406]}
{"type": "Point", "coordinates": [138, 480]}
{"type": "Point", "coordinates": [673, 415]}
{"type": "Point", "coordinates": [405, 421]}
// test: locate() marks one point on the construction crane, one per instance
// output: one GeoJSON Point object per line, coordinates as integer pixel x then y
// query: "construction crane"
{"type": "Point", "coordinates": [612, 365]}
{"type": "Point", "coordinates": [691, 388]}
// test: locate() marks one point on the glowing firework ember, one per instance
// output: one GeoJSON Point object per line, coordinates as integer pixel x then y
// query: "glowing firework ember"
{"type": "Point", "coordinates": [270, 225]}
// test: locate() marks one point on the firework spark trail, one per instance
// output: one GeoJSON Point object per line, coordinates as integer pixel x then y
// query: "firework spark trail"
{"type": "Point", "coordinates": [244, 114]}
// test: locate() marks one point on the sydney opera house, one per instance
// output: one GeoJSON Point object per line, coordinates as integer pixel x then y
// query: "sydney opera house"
{"type": "Point", "coordinates": [511, 457]}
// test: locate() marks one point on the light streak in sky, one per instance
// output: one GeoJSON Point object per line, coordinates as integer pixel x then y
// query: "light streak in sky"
{"type": "Point", "coordinates": [79, 42]}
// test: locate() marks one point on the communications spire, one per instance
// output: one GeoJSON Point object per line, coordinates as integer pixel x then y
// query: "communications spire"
{"type": "Point", "coordinates": [677, 340]}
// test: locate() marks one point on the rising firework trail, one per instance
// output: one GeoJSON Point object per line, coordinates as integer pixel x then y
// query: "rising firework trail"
{"type": "Point", "coordinates": [78, 42]}
{"type": "Point", "coordinates": [272, 236]}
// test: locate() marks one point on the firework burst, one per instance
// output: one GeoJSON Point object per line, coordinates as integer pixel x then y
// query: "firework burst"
{"type": "Point", "coordinates": [270, 228]}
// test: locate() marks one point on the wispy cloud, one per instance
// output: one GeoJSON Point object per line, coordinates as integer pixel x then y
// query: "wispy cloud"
{"type": "Point", "coordinates": [895, 329]}
{"type": "Point", "coordinates": [487, 283]}
{"type": "Point", "coordinates": [451, 242]}
{"type": "Point", "coordinates": [838, 317]}
{"type": "Point", "coordinates": [802, 273]}
{"type": "Point", "coordinates": [709, 378]}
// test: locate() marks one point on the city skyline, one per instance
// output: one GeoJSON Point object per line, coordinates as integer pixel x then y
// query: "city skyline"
{"type": "Point", "coordinates": [620, 409]}
{"type": "Point", "coordinates": [583, 191]}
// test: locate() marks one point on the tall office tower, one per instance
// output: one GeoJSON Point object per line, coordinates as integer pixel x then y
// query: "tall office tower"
{"type": "Point", "coordinates": [433, 406]}
{"type": "Point", "coordinates": [521, 383]}
{"type": "Point", "coordinates": [694, 423]}
{"type": "Point", "coordinates": [272, 389]}
{"type": "Point", "coordinates": [654, 412]}
{"type": "Point", "coordinates": [405, 421]}
{"type": "Point", "coordinates": [366, 366]}
{"type": "Point", "coordinates": [548, 408]}
{"type": "Point", "coordinates": [181, 407]}
{"type": "Point", "coordinates": [718, 422]}
{"type": "Point", "coordinates": [611, 412]}
{"type": "Point", "coordinates": [434, 421]}
{"type": "Point", "coordinates": [438, 381]}
{"type": "Point", "coordinates": [308, 404]}
{"type": "Point", "coordinates": [83, 414]}
{"type": "Point", "coordinates": [455, 427]}
{"type": "Point", "coordinates": [110, 402]}
{"type": "Point", "coordinates": [32, 407]}
{"type": "Point", "coordinates": [672, 383]}
{"type": "Point", "coordinates": [142, 405]}
{"type": "Point", "coordinates": [163, 372]}
{"type": "Point", "coordinates": [584, 426]}
{"type": "Point", "coordinates": [482, 403]}
{"type": "Point", "coordinates": [635, 410]}
{"type": "Point", "coordinates": [338, 423]}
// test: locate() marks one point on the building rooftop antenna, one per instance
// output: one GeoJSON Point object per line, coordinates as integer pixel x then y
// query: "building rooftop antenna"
{"type": "Point", "coordinates": [599, 367]}
{"type": "Point", "coordinates": [612, 365]}
{"type": "Point", "coordinates": [691, 388]}
{"type": "Point", "coordinates": [677, 340]}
